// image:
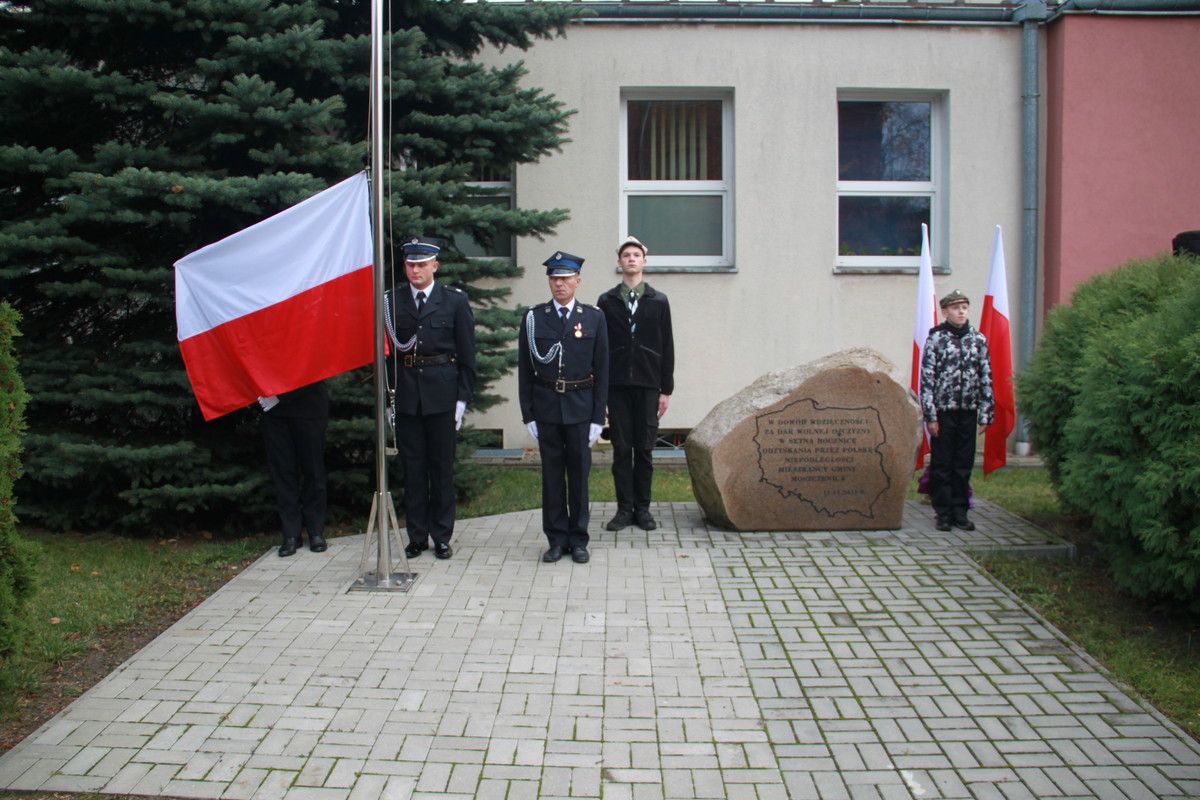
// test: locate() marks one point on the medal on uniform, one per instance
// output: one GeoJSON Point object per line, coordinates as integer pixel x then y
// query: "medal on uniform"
{"type": "Point", "coordinates": [578, 330]}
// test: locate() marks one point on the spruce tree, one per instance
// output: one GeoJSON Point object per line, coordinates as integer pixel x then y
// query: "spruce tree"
{"type": "Point", "coordinates": [133, 132]}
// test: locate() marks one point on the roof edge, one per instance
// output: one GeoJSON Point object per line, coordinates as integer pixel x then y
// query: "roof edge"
{"type": "Point", "coordinates": [842, 11]}
{"type": "Point", "coordinates": [815, 11]}
{"type": "Point", "coordinates": [1130, 6]}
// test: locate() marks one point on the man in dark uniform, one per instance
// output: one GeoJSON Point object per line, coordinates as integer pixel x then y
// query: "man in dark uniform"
{"type": "Point", "coordinates": [431, 332]}
{"type": "Point", "coordinates": [293, 425]}
{"type": "Point", "coordinates": [641, 379]}
{"type": "Point", "coordinates": [562, 379]}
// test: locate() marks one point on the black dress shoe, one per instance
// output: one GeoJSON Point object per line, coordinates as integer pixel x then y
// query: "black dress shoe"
{"type": "Point", "coordinates": [962, 523]}
{"type": "Point", "coordinates": [580, 555]}
{"type": "Point", "coordinates": [413, 550]}
{"type": "Point", "coordinates": [442, 550]}
{"type": "Point", "coordinates": [317, 543]}
{"type": "Point", "coordinates": [943, 523]}
{"type": "Point", "coordinates": [643, 520]}
{"type": "Point", "coordinates": [553, 554]}
{"type": "Point", "coordinates": [622, 520]}
{"type": "Point", "coordinates": [288, 548]}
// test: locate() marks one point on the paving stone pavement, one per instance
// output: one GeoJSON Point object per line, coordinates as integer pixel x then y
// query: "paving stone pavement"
{"type": "Point", "coordinates": [683, 663]}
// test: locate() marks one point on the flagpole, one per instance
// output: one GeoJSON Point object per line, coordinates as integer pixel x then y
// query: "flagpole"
{"type": "Point", "coordinates": [926, 319]}
{"type": "Point", "coordinates": [383, 511]}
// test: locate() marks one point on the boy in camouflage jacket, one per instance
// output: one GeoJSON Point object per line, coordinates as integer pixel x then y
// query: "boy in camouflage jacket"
{"type": "Point", "coordinates": [956, 396]}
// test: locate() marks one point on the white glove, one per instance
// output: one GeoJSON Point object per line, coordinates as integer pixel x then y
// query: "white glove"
{"type": "Point", "coordinates": [268, 403]}
{"type": "Point", "coordinates": [460, 408]}
{"type": "Point", "coordinates": [594, 433]}
{"type": "Point", "coordinates": [532, 428]}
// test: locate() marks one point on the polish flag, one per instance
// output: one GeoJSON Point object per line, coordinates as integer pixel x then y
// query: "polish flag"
{"type": "Point", "coordinates": [279, 305]}
{"type": "Point", "coordinates": [993, 324]}
{"type": "Point", "coordinates": [926, 318]}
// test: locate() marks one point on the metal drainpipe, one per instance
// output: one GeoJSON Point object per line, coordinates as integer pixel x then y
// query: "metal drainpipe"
{"type": "Point", "coordinates": [1029, 14]}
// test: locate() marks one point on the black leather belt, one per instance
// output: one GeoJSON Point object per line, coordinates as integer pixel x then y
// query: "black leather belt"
{"type": "Point", "coordinates": [428, 361]}
{"type": "Point", "coordinates": [562, 386]}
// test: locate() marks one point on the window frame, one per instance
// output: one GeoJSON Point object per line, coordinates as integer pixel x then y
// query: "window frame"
{"type": "Point", "coordinates": [483, 185]}
{"type": "Point", "coordinates": [935, 188]}
{"type": "Point", "coordinates": [498, 189]}
{"type": "Point", "coordinates": [722, 188]}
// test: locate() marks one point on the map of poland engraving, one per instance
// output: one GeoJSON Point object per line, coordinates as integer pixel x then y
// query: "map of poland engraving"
{"type": "Point", "coordinates": [828, 457]}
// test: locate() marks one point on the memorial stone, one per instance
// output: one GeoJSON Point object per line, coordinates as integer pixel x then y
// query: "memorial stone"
{"type": "Point", "coordinates": [829, 445]}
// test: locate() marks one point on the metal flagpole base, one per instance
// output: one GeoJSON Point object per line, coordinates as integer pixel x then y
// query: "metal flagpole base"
{"type": "Point", "coordinates": [395, 582]}
{"type": "Point", "coordinates": [382, 579]}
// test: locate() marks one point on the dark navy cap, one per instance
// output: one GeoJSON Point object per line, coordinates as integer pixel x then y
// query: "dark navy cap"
{"type": "Point", "coordinates": [417, 249]}
{"type": "Point", "coordinates": [561, 265]}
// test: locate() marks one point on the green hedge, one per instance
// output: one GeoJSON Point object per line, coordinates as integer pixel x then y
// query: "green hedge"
{"type": "Point", "coordinates": [1113, 398]}
{"type": "Point", "coordinates": [16, 556]}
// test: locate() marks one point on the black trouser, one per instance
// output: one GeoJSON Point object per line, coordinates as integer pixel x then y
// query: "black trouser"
{"type": "Point", "coordinates": [952, 455]}
{"type": "Point", "coordinates": [296, 461]}
{"type": "Point", "coordinates": [566, 462]}
{"type": "Point", "coordinates": [426, 443]}
{"type": "Point", "coordinates": [633, 429]}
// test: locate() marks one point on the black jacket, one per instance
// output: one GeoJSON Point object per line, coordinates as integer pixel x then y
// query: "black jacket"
{"type": "Point", "coordinates": [644, 356]}
{"type": "Point", "coordinates": [445, 326]}
{"type": "Point", "coordinates": [584, 353]}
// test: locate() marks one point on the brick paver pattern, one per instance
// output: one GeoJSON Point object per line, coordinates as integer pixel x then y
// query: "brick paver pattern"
{"type": "Point", "coordinates": [685, 663]}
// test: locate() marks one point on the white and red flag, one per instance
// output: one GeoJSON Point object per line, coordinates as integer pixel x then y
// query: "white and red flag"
{"type": "Point", "coordinates": [279, 305]}
{"type": "Point", "coordinates": [927, 317]}
{"type": "Point", "coordinates": [993, 324]}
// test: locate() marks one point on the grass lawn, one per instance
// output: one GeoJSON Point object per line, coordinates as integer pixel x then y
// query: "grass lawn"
{"type": "Point", "coordinates": [101, 598]}
{"type": "Point", "coordinates": [518, 489]}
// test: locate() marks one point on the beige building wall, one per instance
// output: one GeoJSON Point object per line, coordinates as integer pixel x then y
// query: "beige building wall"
{"type": "Point", "coordinates": [784, 305]}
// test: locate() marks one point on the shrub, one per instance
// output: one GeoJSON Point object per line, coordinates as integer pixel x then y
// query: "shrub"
{"type": "Point", "coordinates": [1134, 460]}
{"type": "Point", "coordinates": [16, 559]}
{"type": "Point", "coordinates": [1048, 390]}
{"type": "Point", "coordinates": [1112, 395]}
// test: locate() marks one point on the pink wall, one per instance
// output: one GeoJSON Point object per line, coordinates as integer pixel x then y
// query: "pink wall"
{"type": "Point", "coordinates": [1122, 155]}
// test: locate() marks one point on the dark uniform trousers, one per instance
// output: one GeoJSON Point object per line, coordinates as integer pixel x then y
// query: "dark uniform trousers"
{"type": "Point", "coordinates": [563, 418]}
{"type": "Point", "coordinates": [424, 402]}
{"type": "Point", "coordinates": [427, 443]}
{"type": "Point", "coordinates": [633, 429]}
{"type": "Point", "coordinates": [951, 457]}
{"type": "Point", "coordinates": [294, 435]}
{"type": "Point", "coordinates": [566, 462]}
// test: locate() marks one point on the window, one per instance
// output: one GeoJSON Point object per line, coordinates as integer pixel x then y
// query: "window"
{"type": "Point", "coordinates": [676, 181]}
{"type": "Point", "coordinates": [889, 179]}
{"type": "Point", "coordinates": [490, 188]}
